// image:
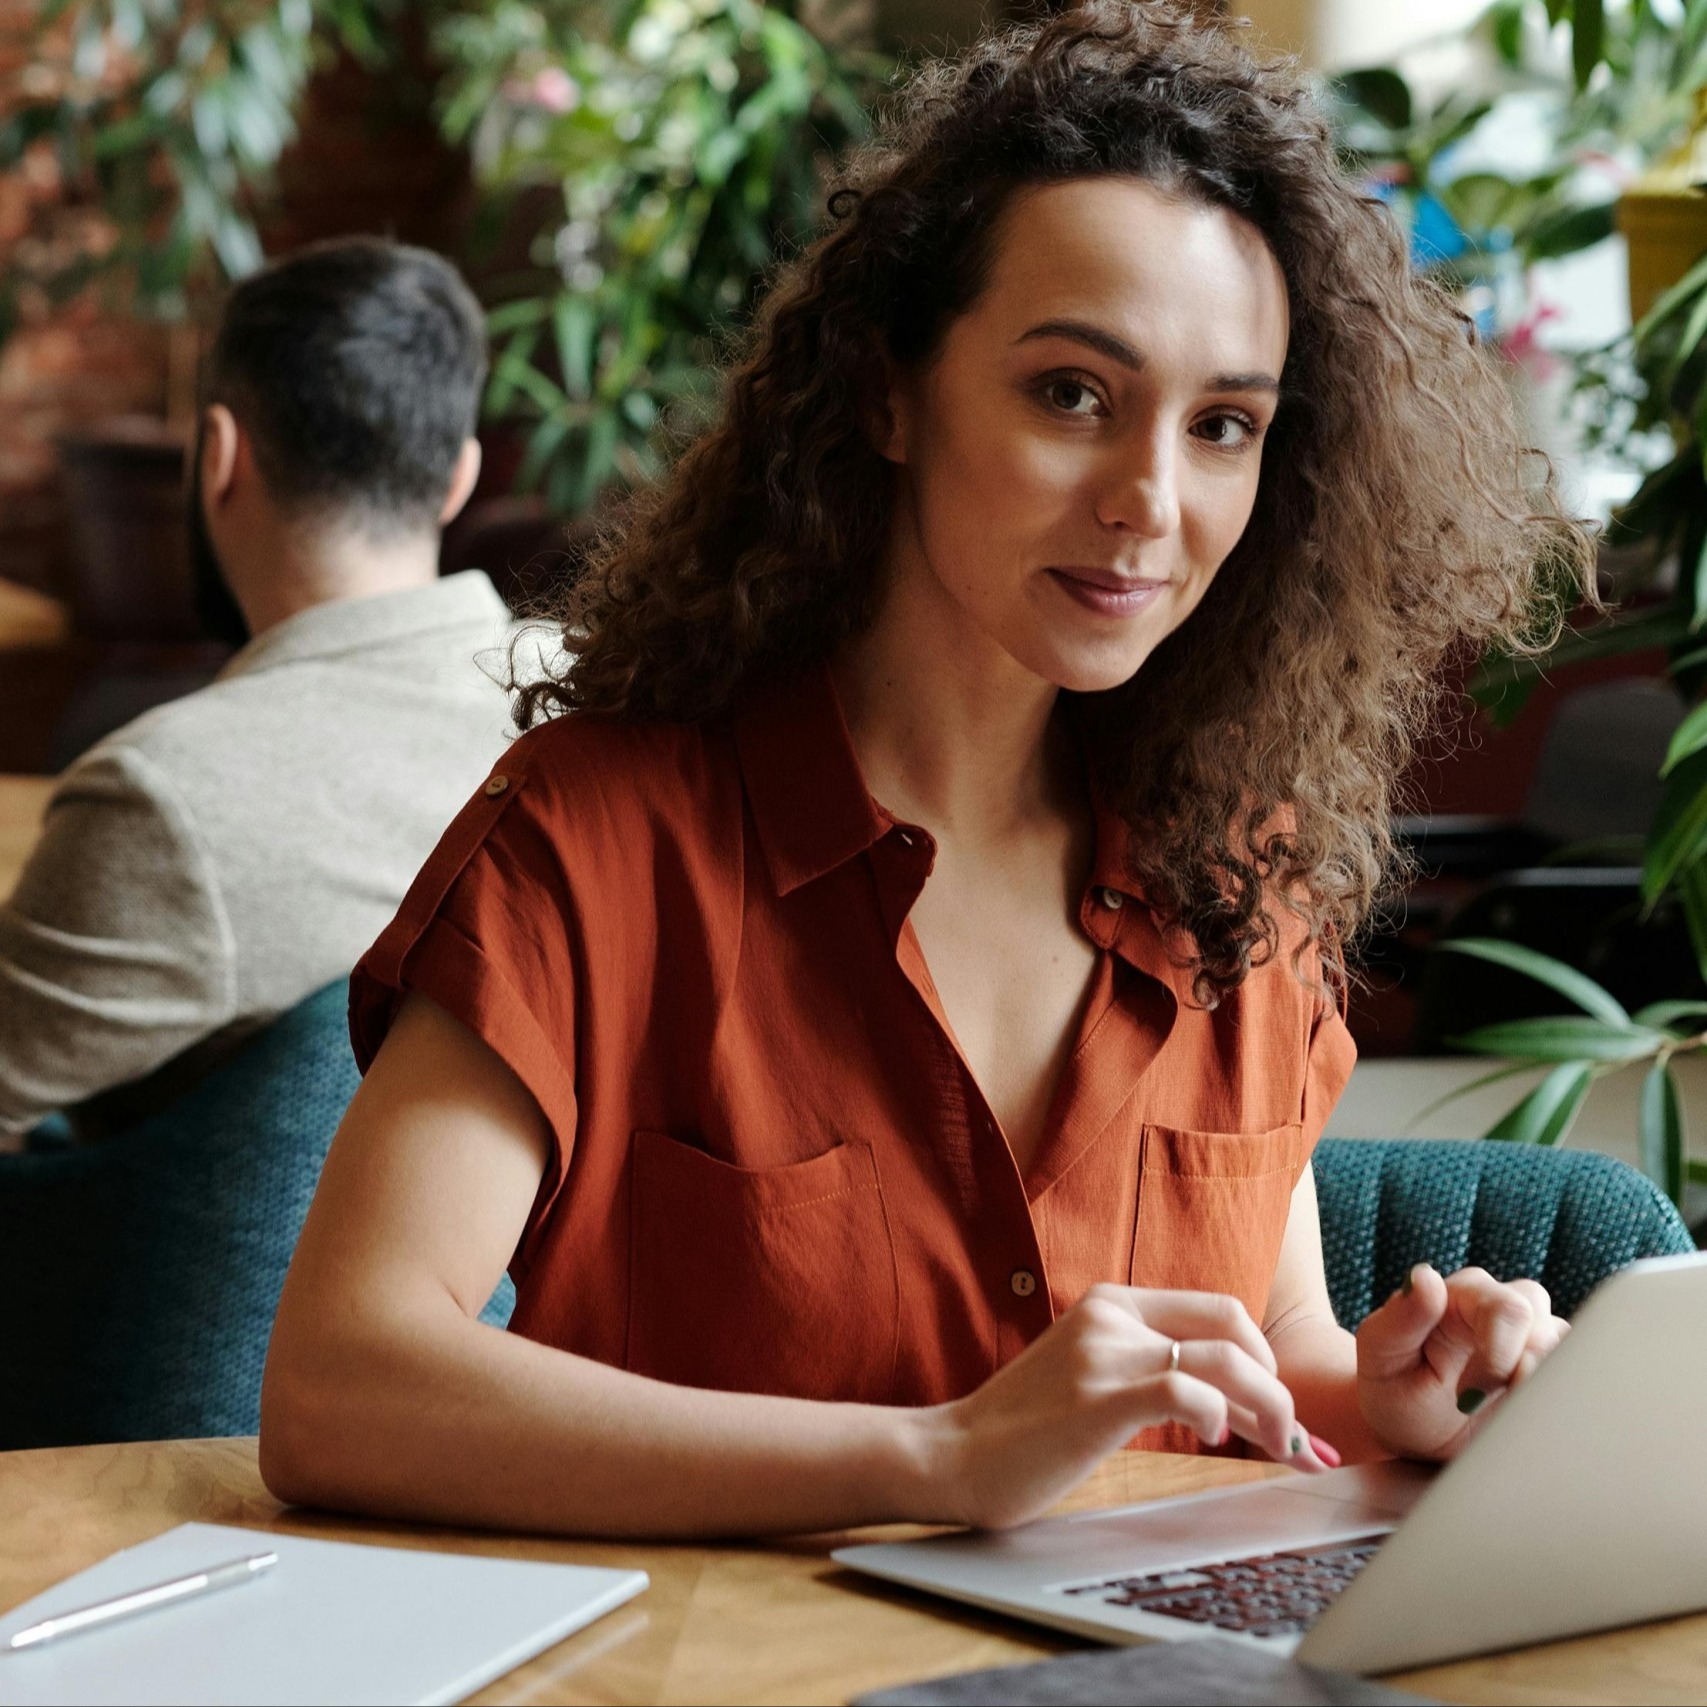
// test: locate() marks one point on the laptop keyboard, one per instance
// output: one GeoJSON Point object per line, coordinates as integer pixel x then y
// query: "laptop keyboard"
{"type": "Point", "coordinates": [1275, 1594]}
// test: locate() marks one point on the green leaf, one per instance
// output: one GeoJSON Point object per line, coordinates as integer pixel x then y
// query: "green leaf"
{"type": "Point", "coordinates": [1660, 1126]}
{"type": "Point", "coordinates": [1692, 892]}
{"type": "Point", "coordinates": [573, 319]}
{"type": "Point", "coordinates": [1669, 302]}
{"type": "Point", "coordinates": [1546, 1114]}
{"type": "Point", "coordinates": [1380, 92]}
{"type": "Point", "coordinates": [1691, 737]}
{"type": "Point", "coordinates": [1564, 1037]}
{"type": "Point", "coordinates": [1417, 1121]}
{"type": "Point", "coordinates": [1678, 837]}
{"type": "Point", "coordinates": [1667, 1014]}
{"type": "Point", "coordinates": [1482, 201]}
{"type": "Point", "coordinates": [510, 315]}
{"type": "Point", "coordinates": [1582, 991]}
{"type": "Point", "coordinates": [1689, 340]}
{"type": "Point", "coordinates": [1695, 1172]}
{"type": "Point", "coordinates": [1588, 38]}
{"type": "Point", "coordinates": [1506, 19]}
{"type": "Point", "coordinates": [1569, 231]}
{"type": "Point", "coordinates": [1657, 503]}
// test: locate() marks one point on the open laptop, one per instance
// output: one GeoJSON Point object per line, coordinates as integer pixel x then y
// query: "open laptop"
{"type": "Point", "coordinates": [1580, 1505]}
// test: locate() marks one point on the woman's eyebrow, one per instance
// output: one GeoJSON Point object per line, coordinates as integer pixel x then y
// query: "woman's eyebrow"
{"type": "Point", "coordinates": [1130, 356]}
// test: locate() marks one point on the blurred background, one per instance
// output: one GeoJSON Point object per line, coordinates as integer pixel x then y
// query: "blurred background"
{"type": "Point", "coordinates": [616, 176]}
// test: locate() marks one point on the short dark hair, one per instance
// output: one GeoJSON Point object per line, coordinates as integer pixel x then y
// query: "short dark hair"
{"type": "Point", "coordinates": [356, 367]}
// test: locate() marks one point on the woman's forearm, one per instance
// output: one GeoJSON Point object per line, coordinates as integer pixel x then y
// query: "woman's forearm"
{"type": "Point", "coordinates": [1318, 1363]}
{"type": "Point", "coordinates": [439, 1418]}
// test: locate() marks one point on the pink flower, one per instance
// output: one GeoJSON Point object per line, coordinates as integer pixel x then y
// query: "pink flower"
{"type": "Point", "coordinates": [554, 89]}
{"type": "Point", "coordinates": [1522, 344]}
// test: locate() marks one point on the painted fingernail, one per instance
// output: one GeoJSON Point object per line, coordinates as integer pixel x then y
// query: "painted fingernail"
{"type": "Point", "coordinates": [1225, 1435]}
{"type": "Point", "coordinates": [1297, 1445]}
{"type": "Point", "coordinates": [1325, 1452]}
{"type": "Point", "coordinates": [1470, 1400]}
{"type": "Point", "coordinates": [1408, 1284]}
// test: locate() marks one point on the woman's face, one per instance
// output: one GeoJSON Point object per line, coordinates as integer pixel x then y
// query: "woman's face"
{"type": "Point", "coordinates": [1083, 452]}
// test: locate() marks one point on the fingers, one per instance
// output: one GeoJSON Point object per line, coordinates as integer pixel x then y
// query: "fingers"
{"type": "Point", "coordinates": [1545, 1329]}
{"type": "Point", "coordinates": [1391, 1339]}
{"type": "Point", "coordinates": [1193, 1316]}
{"type": "Point", "coordinates": [1225, 1379]}
{"type": "Point", "coordinates": [1253, 1404]}
{"type": "Point", "coordinates": [1251, 1390]}
{"type": "Point", "coordinates": [1490, 1324]}
{"type": "Point", "coordinates": [1475, 1334]}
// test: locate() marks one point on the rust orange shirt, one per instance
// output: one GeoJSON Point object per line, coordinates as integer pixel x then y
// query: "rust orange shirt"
{"type": "Point", "coordinates": [774, 1172]}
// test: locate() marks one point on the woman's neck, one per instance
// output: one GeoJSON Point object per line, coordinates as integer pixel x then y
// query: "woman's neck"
{"type": "Point", "coordinates": [951, 732]}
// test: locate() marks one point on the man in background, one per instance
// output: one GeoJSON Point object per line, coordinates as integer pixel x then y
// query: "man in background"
{"type": "Point", "coordinates": [225, 855]}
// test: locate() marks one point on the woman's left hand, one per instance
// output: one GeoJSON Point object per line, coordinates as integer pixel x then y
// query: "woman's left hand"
{"type": "Point", "coordinates": [1438, 1355]}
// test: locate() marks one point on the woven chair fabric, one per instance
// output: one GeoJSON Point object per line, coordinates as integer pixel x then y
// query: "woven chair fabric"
{"type": "Point", "coordinates": [1567, 1218]}
{"type": "Point", "coordinates": [139, 1276]}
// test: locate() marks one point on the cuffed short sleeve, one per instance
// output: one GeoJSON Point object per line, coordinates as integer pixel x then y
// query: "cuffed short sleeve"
{"type": "Point", "coordinates": [1328, 1067]}
{"type": "Point", "coordinates": [487, 932]}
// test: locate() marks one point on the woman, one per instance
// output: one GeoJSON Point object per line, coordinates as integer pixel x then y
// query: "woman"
{"type": "Point", "coordinates": [884, 1028]}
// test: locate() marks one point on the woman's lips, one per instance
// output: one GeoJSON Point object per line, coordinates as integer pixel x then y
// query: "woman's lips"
{"type": "Point", "coordinates": [1107, 594]}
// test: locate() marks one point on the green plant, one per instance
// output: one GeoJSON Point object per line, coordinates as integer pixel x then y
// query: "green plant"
{"type": "Point", "coordinates": [1637, 75]}
{"type": "Point", "coordinates": [1467, 227]}
{"type": "Point", "coordinates": [154, 122]}
{"type": "Point", "coordinates": [1576, 1049]}
{"type": "Point", "coordinates": [677, 149]}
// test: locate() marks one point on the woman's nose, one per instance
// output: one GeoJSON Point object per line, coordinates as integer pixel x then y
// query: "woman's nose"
{"type": "Point", "coordinates": [1142, 493]}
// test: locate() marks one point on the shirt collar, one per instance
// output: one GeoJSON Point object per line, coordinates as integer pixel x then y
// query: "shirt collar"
{"type": "Point", "coordinates": [809, 799]}
{"type": "Point", "coordinates": [814, 812]}
{"type": "Point", "coordinates": [465, 600]}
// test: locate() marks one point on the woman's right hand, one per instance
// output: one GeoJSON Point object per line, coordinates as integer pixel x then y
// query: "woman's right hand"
{"type": "Point", "coordinates": [1007, 1452]}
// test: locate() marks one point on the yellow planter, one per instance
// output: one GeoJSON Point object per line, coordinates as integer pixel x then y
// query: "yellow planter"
{"type": "Point", "coordinates": [1664, 217]}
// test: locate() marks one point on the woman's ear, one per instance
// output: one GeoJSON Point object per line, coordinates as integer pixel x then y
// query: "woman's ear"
{"type": "Point", "coordinates": [888, 411]}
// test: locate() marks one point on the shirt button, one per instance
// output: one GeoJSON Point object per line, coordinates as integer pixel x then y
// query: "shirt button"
{"type": "Point", "coordinates": [1023, 1282]}
{"type": "Point", "coordinates": [497, 784]}
{"type": "Point", "coordinates": [1111, 899]}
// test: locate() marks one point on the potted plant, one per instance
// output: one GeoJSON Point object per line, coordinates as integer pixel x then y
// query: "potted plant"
{"type": "Point", "coordinates": [155, 122]}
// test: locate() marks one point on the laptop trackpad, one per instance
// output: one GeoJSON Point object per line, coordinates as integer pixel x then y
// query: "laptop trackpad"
{"type": "Point", "coordinates": [1263, 1517]}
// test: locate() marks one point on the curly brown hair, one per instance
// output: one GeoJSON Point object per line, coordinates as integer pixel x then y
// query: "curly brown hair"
{"type": "Point", "coordinates": [1398, 518]}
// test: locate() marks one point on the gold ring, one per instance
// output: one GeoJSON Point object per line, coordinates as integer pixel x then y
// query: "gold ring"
{"type": "Point", "coordinates": [1173, 1358]}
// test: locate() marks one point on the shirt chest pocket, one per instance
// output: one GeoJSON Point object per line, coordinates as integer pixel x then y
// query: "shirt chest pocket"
{"type": "Point", "coordinates": [762, 1280]}
{"type": "Point", "coordinates": [1212, 1209]}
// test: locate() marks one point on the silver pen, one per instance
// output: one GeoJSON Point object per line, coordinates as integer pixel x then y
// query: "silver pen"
{"type": "Point", "coordinates": [101, 1612]}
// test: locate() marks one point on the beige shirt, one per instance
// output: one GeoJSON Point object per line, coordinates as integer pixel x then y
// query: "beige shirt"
{"type": "Point", "coordinates": [225, 855]}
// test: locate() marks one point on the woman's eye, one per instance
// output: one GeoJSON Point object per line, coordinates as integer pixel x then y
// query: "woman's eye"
{"type": "Point", "coordinates": [1228, 432]}
{"type": "Point", "coordinates": [1072, 396]}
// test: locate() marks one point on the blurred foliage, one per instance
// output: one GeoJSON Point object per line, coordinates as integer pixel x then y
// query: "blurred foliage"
{"type": "Point", "coordinates": [1637, 79]}
{"type": "Point", "coordinates": [665, 153]}
{"type": "Point", "coordinates": [1487, 227]}
{"type": "Point", "coordinates": [134, 135]}
{"type": "Point", "coordinates": [660, 154]}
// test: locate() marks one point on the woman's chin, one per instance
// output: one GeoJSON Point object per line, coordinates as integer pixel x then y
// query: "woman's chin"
{"type": "Point", "coordinates": [1079, 669]}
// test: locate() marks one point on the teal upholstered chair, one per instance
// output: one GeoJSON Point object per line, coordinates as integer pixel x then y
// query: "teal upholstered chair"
{"type": "Point", "coordinates": [139, 1276]}
{"type": "Point", "coordinates": [1567, 1218]}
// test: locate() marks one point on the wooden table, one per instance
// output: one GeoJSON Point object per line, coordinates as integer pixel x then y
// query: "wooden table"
{"type": "Point", "coordinates": [23, 799]}
{"type": "Point", "coordinates": [760, 1623]}
{"type": "Point", "coordinates": [29, 618]}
